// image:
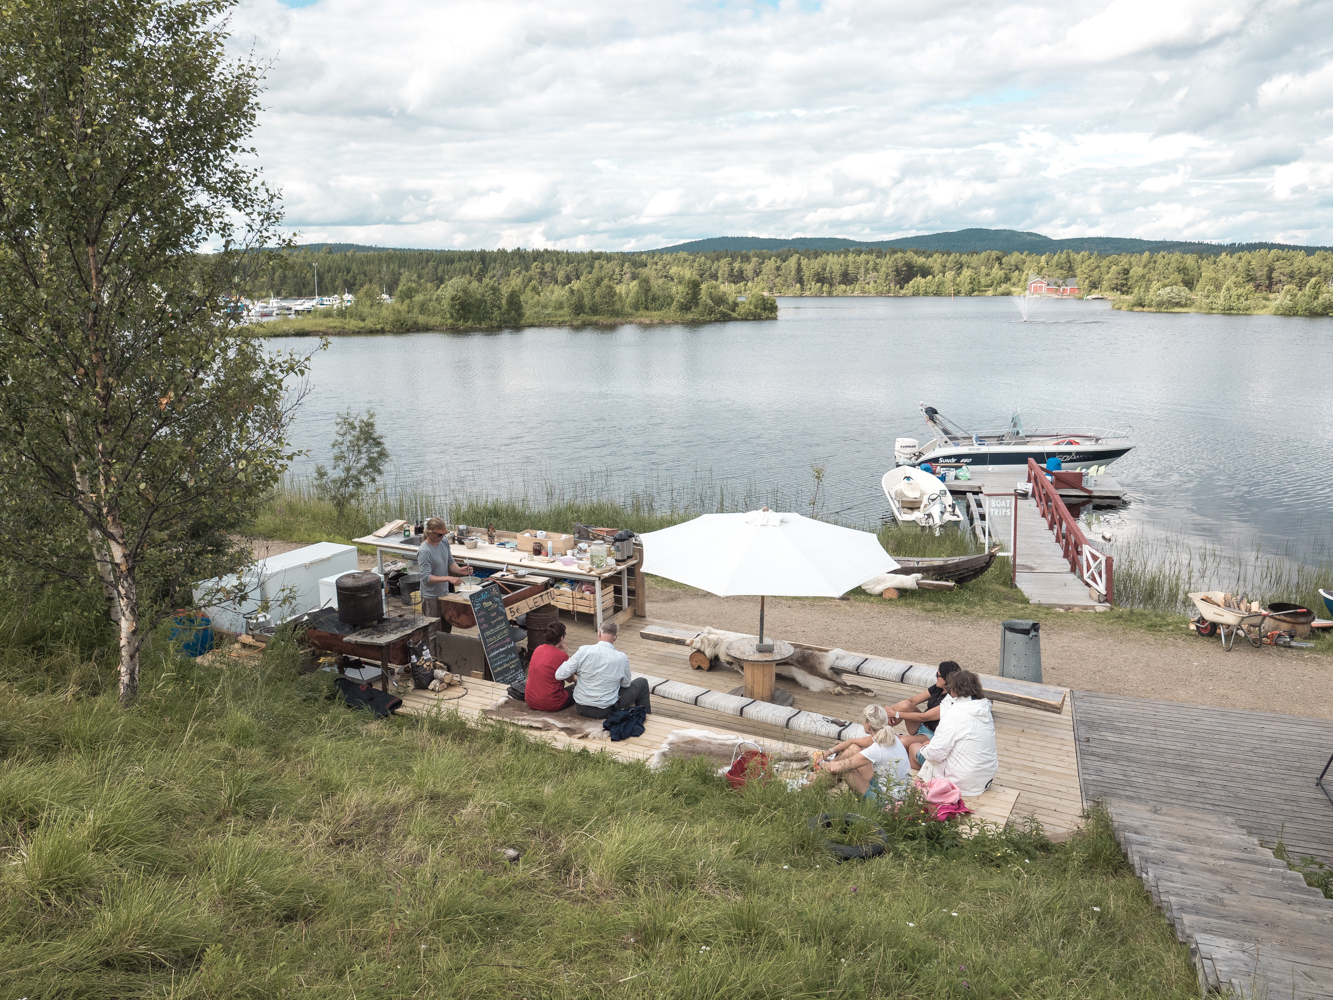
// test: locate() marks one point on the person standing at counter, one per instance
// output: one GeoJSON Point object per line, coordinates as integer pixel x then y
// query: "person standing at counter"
{"type": "Point", "coordinates": [438, 571]}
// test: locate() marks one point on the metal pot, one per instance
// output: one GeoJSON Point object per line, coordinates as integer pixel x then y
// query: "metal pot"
{"type": "Point", "coordinates": [360, 598]}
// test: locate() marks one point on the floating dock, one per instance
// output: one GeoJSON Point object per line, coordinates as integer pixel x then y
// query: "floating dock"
{"type": "Point", "coordinates": [1003, 479]}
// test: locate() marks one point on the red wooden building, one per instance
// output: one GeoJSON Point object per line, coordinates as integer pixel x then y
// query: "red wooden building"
{"type": "Point", "coordinates": [1064, 286]}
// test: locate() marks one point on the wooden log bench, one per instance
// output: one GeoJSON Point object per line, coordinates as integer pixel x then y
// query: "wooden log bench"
{"type": "Point", "coordinates": [1045, 697]}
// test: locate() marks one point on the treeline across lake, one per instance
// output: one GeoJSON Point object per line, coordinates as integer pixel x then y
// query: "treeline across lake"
{"type": "Point", "coordinates": [511, 287]}
{"type": "Point", "coordinates": [398, 291]}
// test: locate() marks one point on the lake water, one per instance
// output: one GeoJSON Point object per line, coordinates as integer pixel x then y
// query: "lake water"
{"type": "Point", "coordinates": [1231, 415]}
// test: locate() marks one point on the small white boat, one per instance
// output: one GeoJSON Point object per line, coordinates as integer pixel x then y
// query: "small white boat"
{"type": "Point", "coordinates": [919, 497]}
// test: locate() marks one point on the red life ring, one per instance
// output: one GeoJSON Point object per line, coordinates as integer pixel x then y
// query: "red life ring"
{"type": "Point", "coordinates": [1067, 441]}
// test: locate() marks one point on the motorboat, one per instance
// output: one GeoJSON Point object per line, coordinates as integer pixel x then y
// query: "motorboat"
{"type": "Point", "coordinates": [919, 497]}
{"type": "Point", "coordinates": [951, 446]}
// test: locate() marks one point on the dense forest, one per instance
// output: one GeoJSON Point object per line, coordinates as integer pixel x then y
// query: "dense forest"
{"type": "Point", "coordinates": [507, 287]}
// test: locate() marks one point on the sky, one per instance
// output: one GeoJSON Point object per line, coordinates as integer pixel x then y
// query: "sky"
{"type": "Point", "coordinates": [623, 126]}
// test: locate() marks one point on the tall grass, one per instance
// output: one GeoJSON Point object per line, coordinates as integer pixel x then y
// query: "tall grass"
{"type": "Point", "coordinates": [297, 514]}
{"type": "Point", "coordinates": [236, 833]}
{"type": "Point", "coordinates": [1158, 572]}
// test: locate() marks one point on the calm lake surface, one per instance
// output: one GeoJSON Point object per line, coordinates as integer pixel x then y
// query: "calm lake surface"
{"type": "Point", "coordinates": [1231, 415]}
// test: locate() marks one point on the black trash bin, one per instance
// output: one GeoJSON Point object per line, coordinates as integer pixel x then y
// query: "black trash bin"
{"type": "Point", "coordinates": [1020, 650]}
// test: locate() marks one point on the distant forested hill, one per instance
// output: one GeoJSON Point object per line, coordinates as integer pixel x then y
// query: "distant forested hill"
{"type": "Point", "coordinates": [976, 241]}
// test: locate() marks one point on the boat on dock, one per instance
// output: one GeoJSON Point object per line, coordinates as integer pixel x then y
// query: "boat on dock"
{"type": "Point", "coordinates": [953, 447]}
{"type": "Point", "coordinates": [959, 569]}
{"type": "Point", "coordinates": [920, 498]}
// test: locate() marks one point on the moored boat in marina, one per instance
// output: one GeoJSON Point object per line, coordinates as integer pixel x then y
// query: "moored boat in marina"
{"type": "Point", "coordinates": [919, 497]}
{"type": "Point", "coordinates": [952, 446]}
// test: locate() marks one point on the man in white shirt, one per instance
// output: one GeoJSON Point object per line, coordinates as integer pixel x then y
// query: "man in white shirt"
{"type": "Point", "coordinates": [603, 683]}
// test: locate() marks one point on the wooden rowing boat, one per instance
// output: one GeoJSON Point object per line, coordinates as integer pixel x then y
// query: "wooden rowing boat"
{"type": "Point", "coordinates": [959, 569]}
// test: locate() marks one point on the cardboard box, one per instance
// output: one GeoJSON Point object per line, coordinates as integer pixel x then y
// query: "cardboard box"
{"type": "Point", "coordinates": [553, 544]}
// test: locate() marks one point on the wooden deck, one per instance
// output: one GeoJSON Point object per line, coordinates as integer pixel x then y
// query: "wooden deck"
{"type": "Point", "coordinates": [1256, 767]}
{"type": "Point", "coordinates": [1104, 490]}
{"type": "Point", "coordinates": [1197, 796]}
{"type": "Point", "coordinates": [1036, 747]}
{"type": "Point", "coordinates": [1041, 570]}
{"type": "Point", "coordinates": [995, 806]}
{"type": "Point", "coordinates": [1253, 926]}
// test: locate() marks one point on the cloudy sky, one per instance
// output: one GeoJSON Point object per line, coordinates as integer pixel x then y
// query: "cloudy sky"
{"type": "Point", "coordinates": [614, 125]}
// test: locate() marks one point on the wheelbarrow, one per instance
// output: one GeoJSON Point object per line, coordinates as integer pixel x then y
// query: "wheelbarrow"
{"type": "Point", "coordinates": [1230, 616]}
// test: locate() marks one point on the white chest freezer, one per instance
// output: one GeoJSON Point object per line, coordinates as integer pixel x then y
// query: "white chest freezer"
{"type": "Point", "coordinates": [288, 583]}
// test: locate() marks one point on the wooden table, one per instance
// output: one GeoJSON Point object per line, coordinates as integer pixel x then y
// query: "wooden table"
{"type": "Point", "coordinates": [497, 557]}
{"type": "Point", "coordinates": [759, 672]}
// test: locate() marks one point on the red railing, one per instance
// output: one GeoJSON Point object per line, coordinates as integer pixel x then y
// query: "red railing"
{"type": "Point", "coordinates": [1089, 564]}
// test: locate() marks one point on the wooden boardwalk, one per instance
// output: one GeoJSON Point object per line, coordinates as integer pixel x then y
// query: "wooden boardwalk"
{"type": "Point", "coordinates": [1041, 570]}
{"type": "Point", "coordinates": [1197, 796]}
{"type": "Point", "coordinates": [1256, 767]}
{"type": "Point", "coordinates": [1253, 926]}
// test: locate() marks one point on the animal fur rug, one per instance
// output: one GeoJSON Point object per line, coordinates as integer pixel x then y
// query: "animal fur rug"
{"type": "Point", "coordinates": [811, 670]}
{"type": "Point", "coordinates": [681, 744]}
{"type": "Point", "coordinates": [567, 720]}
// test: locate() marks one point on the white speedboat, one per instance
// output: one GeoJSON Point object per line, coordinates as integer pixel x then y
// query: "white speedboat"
{"type": "Point", "coordinates": [920, 498]}
{"type": "Point", "coordinates": [952, 446]}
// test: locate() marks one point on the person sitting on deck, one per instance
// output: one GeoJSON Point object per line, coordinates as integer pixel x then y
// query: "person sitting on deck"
{"type": "Point", "coordinates": [875, 765]}
{"type": "Point", "coordinates": [603, 683]}
{"type": "Point", "coordinates": [963, 747]}
{"type": "Point", "coordinates": [920, 713]}
{"type": "Point", "coordinates": [542, 691]}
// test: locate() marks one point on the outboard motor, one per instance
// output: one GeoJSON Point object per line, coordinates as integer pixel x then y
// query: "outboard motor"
{"type": "Point", "coordinates": [904, 450]}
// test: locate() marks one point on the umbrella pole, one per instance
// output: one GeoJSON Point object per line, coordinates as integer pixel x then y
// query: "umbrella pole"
{"type": "Point", "coordinates": [762, 647]}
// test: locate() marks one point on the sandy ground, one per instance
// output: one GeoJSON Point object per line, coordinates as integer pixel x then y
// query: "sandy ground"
{"type": "Point", "coordinates": [1080, 651]}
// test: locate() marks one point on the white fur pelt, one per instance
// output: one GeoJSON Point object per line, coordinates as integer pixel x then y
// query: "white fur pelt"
{"type": "Point", "coordinates": [811, 670]}
{"type": "Point", "coordinates": [878, 584]}
{"type": "Point", "coordinates": [683, 743]}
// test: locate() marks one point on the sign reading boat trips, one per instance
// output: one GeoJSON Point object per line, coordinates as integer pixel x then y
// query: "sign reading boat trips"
{"type": "Point", "coordinates": [999, 508]}
{"type": "Point", "coordinates": [493, 628]}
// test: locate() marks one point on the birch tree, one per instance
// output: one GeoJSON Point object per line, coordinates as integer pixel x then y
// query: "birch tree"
{"type": "Point", "coordinates": [139, 426]}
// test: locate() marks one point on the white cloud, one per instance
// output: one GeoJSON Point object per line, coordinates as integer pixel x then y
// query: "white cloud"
{"type": "Point", "coordinates": [597, 124]}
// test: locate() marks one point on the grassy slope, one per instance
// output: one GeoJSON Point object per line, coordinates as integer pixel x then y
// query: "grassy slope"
{"type": "Point", "coordinates": [235, 834]}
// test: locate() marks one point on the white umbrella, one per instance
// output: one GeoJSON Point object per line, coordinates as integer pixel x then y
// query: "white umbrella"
{"type": "Point", "coordinates": [765, 554]}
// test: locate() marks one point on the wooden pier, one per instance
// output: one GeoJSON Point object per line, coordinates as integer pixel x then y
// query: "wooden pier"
{"type": "Point", "coordinates": [1103, 490]}
{"type": "Point", "coordinates": [1198, 796]}
{"type": "Point", "coordinates": [1041, 570]}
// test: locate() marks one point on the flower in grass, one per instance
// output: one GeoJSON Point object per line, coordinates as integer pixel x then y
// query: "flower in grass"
{"type": "Point", "coordinates": [853, 888]}
{"type": "Point", "coordinates": [910, 924]}
{"type": "Point", "coordinates": [1096, 909]}
{"type": "Point", "coordinates": [955, 913]}
{"type": "Point", "coordinates": [966, 985]}
{"type": "Point", "coordinates": [962, 968]}
{"type": "Point", "coordinates": [784, 868]}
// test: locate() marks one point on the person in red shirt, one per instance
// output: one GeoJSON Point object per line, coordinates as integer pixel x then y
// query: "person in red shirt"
{"type": "Point", "coordinates": [543, 692]}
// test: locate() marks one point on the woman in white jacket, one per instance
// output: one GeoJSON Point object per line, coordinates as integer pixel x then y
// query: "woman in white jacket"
{"type": "Point", "coordinates": [963, 747]}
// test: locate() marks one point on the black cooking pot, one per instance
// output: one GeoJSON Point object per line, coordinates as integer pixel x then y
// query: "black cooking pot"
{"type": "Point", "coordinates": [360, 598]}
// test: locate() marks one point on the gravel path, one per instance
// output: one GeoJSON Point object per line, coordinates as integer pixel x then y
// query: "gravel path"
{"type": "Point", "coordinates": [1081, 651]}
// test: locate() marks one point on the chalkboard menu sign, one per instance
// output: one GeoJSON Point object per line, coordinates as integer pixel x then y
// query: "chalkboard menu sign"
{"type": "Point", "coordinates": [493, 628]}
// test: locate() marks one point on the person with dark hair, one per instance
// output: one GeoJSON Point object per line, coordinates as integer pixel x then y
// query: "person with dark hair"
{"type": "Point", "coordinates": [542, 691]}
{"type": "Point", "coordinates": [963, 747]}
{"type": "Point", "coordinates": [603, 681]}
{"type": "Point", "coordinates": [920, 712]}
